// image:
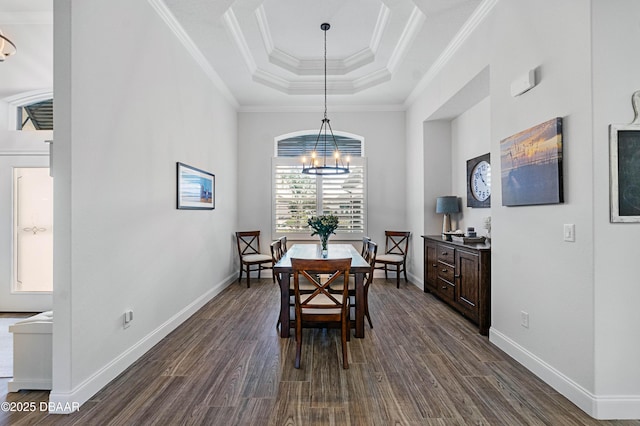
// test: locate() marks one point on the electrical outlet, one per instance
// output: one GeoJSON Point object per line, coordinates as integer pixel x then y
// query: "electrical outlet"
{"type": "Point", "coordinates": [524, 319]}
{"type": "Point", "coordinates": [569, 232]}
{"type": "Point", "coordinates": [127, 318]}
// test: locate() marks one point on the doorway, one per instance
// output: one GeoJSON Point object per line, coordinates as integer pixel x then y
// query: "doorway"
{"type": "Point", "coordinates": [26, 263]}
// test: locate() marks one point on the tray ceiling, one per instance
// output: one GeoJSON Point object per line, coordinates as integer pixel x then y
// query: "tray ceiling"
{"type": "Point", "coordinates": [269, 53]}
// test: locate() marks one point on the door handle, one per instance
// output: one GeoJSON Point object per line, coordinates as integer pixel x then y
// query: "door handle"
{"type": "Point", "coordinates": [34, 229]}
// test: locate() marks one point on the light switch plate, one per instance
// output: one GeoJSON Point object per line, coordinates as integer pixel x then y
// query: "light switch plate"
{"type": "Point", "coordinates": [570, 232]}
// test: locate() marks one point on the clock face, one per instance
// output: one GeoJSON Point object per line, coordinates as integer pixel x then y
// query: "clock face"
{"type": "Point", "coordinates": [481, 181]}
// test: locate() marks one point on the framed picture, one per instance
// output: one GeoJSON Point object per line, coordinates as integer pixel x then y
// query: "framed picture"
{"type": "Point", "coordinates": [624, 156]}
{"type": "Point", "coordinates": [196, 188]}
{"type": "Point", "coordinates": [531, 163]}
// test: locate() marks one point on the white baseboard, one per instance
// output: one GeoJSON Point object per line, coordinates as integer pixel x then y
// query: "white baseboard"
{"type": "Point", "coordinates": [17, 385]}
{"type": "Point", "coordinates": [606, 407]}
{"type": "Point", "coordinates": [67, 402]}
{"type": "Point", "coordinates": [416, 280]}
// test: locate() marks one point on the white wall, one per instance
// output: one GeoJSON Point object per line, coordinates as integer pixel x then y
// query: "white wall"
{"type": "Point", "coordinates": [384, 136]}
{"type": "Point", "coordinates": [579, 299]}
{"type": "Point", "coordinates": [616, 75]}
{"type": "Point", "coordinates": [131, 102]}
{"type": "Point", "coordinates": [533, 269]}
{"type": "Point", "coordinates": [470, 137]}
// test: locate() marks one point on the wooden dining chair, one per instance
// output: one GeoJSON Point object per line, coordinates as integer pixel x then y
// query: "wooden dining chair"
{"type": "Point", "coordinates": [369, 254]}
{"type": "Point", "coordinates": [395, 254]}
{"type": "Point", "coordinates": [276, 254]}
{"type": "Point", "coordinates": [283, 242]}
{"type": "Point", "coordinates": [250, 255]}
{"type": "Point", "coordinates": [322, 306]}
{"type": "Point", "coordinates": [365, 240]}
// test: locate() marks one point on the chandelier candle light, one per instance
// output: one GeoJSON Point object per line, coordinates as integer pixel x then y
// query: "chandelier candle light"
{"type": "Point", "coordinates": [314, 167]}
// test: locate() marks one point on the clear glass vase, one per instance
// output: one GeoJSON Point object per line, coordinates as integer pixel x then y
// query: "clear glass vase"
{"type": "Point", "coordinates": [324, 241]}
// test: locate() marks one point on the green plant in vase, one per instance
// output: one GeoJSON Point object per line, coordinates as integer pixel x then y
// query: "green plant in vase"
{"type": "Point", "coordinates": [323, 226]}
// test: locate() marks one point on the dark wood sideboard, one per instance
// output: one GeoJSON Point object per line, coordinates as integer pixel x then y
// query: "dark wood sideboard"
{"type": "Point", "coordinates": [460, 275]}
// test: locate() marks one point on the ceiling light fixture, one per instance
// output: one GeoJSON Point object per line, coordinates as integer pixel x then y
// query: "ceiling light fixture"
{"type": "Point", "coordinates": [7, 48]}
{"type": "Point", "coordinates": [314, 167]}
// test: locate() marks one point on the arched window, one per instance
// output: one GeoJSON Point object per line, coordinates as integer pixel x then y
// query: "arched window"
{"type": "Point", "coordinates": [297, 196]}
{"type": "Point", "coordinates": [31, 110]}
{"type": "Point", "coordinates": [35, 116]}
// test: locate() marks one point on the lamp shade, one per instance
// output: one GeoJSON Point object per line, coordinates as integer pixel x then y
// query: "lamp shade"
{"type": "Point", "coordinates": [447, 204]}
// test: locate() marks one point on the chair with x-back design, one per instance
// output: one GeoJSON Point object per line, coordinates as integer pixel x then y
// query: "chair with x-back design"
{"type": "Point", "coordinates": [395, 253]}
{"type": "Point", "coordinates": [369, 254]}
{"type": "Point", "coordinates": [250, 255]}
{"type": "Point", "coordinates": [321, 306]}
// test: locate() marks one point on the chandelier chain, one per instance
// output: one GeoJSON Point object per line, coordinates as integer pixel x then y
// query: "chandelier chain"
{"type": "Point", "coordinates": [314, 168]}
{"type": "Point", "coordinates": [325, 73]}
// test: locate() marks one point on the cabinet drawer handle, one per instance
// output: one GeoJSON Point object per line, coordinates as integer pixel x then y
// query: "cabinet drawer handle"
{"type": "Point", "coordinates": [444, 287]}
{"type": "Point", "coordinates": [443, 270]}
{"type": "Point", "coordinates": [434, 265]}
{"type": "Point", "coordinates": [444, 253]}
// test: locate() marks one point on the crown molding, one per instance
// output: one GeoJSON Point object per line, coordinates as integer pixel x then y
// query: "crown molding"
{"type": "Point", "coordinates": [318, 110]}
{"type": "Point", "coordinates": [371, 79]}
{"type": "Point", "coordinates": [359, 59]}
{"type": "Point", "coordinates": [270, 80]}
{"type": "Point", "coordinates": [381, 25]}
{"type": "Point", "coordinates": [233, 26]}
{"type": "Point", "coordinates": [314, 87]}
{"type": "Point", "coordinates": [165, 14]}
{"type": "Point", "coordinates": [414, 24]}
{"type": "Point", "coordinates": [265, 31]}
{"type": "Point", "coordinates": [478, 16]}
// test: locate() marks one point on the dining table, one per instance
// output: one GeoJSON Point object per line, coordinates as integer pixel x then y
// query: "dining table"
{"type": "Point", "coordinates": [359, 268]}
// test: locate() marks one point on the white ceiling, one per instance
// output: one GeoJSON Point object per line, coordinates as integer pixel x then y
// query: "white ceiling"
{"type": "Point", "coordinates": [269, 53]}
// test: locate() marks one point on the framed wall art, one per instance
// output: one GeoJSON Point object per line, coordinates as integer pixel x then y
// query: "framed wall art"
{"type": "Point", "coordinates": [531, 165]}
{"type": "Point", "coordinates": [195, 188]}
{"type": "Point", "coordinates": [624, 157]}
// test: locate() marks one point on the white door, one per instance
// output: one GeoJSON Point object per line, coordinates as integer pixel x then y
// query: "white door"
{"type": "Point", "coordinates": [32, 271]}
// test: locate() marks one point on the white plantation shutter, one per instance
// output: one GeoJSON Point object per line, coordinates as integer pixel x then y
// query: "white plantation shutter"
{"type": "Point", "coordinates": [343, 196]}
{"type": "Point", "coordinates": [297, 196]}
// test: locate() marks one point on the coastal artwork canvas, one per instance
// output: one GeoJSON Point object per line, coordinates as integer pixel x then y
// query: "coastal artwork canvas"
{"type": "Point", "coordinates": [196, 188]}
{"type": "Point", "coordinates": [531, 165]}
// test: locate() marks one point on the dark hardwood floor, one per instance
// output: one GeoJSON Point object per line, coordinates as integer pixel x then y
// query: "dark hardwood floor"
{"type": "Point", "coordinates": [421, 364]}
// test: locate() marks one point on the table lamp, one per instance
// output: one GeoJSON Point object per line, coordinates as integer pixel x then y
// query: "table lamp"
{"type": "Point", "coordinates": [447, 205]}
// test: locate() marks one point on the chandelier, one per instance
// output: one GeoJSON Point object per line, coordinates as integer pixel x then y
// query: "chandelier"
{"type": "Point", "coordinates": [319, 166]}
{"type": "Point", "coordinates": [7, 48]}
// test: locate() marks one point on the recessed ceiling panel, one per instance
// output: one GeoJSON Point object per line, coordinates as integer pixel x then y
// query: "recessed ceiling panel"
{"type": "Point", "coordinates": [352, 26]}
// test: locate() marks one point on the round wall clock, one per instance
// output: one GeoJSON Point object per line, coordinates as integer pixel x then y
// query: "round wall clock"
{"type": "Point", "coordinates": [479, 181]}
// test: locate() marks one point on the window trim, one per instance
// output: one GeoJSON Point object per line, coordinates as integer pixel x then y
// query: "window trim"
{"type": "Point", "coordinates": [315, 132]}
{"type": "Point", "coordinates": [22, 99]}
